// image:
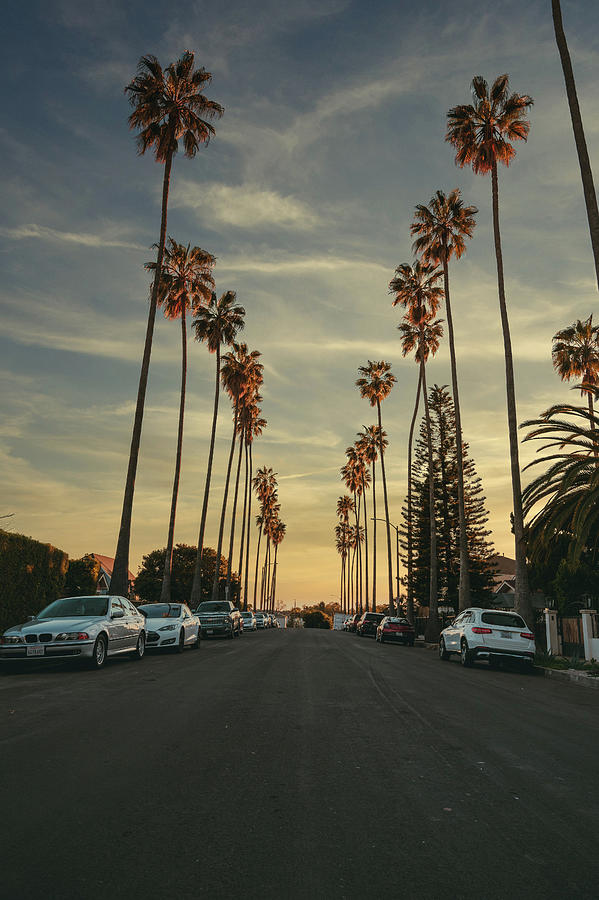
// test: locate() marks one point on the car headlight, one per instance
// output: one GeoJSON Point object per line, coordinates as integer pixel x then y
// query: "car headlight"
{"type": "Point", "coordinates": [11, 639]}
{"type": "Point", "coordinates": [72, 636]}
{"type": "Point", "coordinates": [167, 628]}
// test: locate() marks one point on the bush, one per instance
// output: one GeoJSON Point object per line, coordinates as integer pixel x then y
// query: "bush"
{"type": "Point", "coordinates": [82, 577]}
{"type": "Point", "coordinates": [315, 618]}
{"type": "Point", "coordinates": [32, 575]}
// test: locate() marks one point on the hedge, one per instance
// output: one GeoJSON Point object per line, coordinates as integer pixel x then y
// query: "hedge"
{"type": "Point", "coordinates": [32, 575]}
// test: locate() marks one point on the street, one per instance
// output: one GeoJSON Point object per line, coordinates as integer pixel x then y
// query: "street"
{"type": "Point", "coordinates": [297, 764]}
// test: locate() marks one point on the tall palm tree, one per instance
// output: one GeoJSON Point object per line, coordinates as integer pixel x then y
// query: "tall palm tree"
{"type": "Point", "coordinates": [423, 335]}
{"type": "Point", "coordinates": [345, 506]}
{"type": "Point", "coordinates": [375, 385]}
{"type": "Point", "coordinates": [265, 486]}
{"type": "Point", "coordinates": [363, 468]}
{"type": "Point", "coordinates": [351, 473]}
{"type": "Point", "coordinates": [410, 542]}
{"type": "Point", "coordinates": [253, 426]}
{"type": "Point", "coordinates": [575, 354]}
{"type": "Point", "coordinates": [586, 173]}
{"type": "Point", "coordinates": [440, 230]}
{"type": "Point", "coordinates": [481, 132]}
{"type": "Point", "coordinates": [370, 441]}
{"type": "Point", "coordinates": [186, 283]}
{"type": "Point", "coordinates": [168, 106]}
{"type": "Point", "coordinates": [341, 542]}
{"type": "Point", "coordinates": [277, 538]}
{"type": "Point", "coordinates": [216, 325]}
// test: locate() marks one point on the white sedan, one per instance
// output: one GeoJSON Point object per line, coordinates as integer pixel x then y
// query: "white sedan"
{"type": "Point", "coordinates": [171, 625]}
{"type": "Point", "coordinates": [490, 634]}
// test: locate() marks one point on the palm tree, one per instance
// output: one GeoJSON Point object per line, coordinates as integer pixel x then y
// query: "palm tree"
{"type": "Point", "coordinates": [351, 473]}
{"type": "Point", "coordinates": [168, 106]}
{"type": "Point", "coordinates": [345, 506]}
{"type": "Point", "coordinates": [253, 426]}
{"type": "Point", "coordinates": [362, 465]}
{"type": "Point", "coordinates": [277, 538]}
{"type": "Point", "coordinates": [341, 542]}
{"type": "Point", "coordinates": [265, 486]}
{"type": "Point", "coordinates": [440, 229]}
{"type": "Point", "coordinates": [216, 325]}
{"type": "Point", "coordinates": [186, 282]}
{"type": "Point", "coordinates": [410, 548]}
{"type": "Point", "coordinates": [481, 133]}
{"type": "Point", "coordinates": [588, 187]}
{"type": "Point", "coordinates": [424, 335]}
{"type": "Point", "coordinates": [370, 441]}
{"type": "Point", "coordinates": [375, 385]}
{"type": "Point", "coordinates": [575, 354]}
{"type": "Point", "coordinates": [569, 488]}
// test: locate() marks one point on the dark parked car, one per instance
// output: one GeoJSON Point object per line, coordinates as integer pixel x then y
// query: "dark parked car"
{"type": "Point", "coordinates": [219, 617]}
{"type": "Point", "coordinates": [368, 623]}
{"type": "Point", "coordinates": [392, 628]}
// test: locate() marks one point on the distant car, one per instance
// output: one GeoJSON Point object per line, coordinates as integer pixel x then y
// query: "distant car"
{"type": "Point", "coordinates": [489, 634]}
{"type": "Point", "coordinates": [397, 629]}
{"type": "Point", "coordinates": [352, 622]}
{"type": "Point", "coordinates": [219, 617]}
{"type": "Point", "coordinates": [170, 625]}
{"type": "Point", "coordinates": [89, 628]}
{"type": "Point", "coordinates": [260, 619]}
{"type": "Point", "coordinates": [249, 620]}
{"type": "Point", "coordinates": [368, 623]}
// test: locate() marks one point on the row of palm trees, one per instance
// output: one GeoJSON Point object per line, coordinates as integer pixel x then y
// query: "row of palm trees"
{"type": "Point", "coordinates": [169, 106]}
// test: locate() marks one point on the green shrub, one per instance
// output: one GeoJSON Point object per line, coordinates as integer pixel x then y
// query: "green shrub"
{"type": "Point", "coordinates": [82, 577]}
{"type": "Point", "coordinates": [315, 618]}
{"type": "Point", "coordinates": [32, 575]}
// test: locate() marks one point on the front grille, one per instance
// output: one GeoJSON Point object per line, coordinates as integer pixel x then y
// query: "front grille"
{"type": "Point", "coordinates": [44, 638]}
{"type": "Point", "coordinates": [63, 651]}
{"type": "Point", "coordinates": [31, 638]}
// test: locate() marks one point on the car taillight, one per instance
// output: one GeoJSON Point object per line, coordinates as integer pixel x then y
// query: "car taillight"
{"type": "Point", "coordinates": [528, 635]}
{"type": "Point", "coordinates": [477, 630]}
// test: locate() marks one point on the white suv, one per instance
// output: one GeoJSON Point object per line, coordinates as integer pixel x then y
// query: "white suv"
{"type": "Point", "coordinates": [490, 634]}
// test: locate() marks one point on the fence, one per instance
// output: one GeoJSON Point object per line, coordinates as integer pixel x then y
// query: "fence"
{"type": "Point", "coordinates": [570, 631]}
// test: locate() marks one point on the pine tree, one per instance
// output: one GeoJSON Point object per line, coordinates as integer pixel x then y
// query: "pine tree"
{"type": "Point", "coordinates": [447, 511]}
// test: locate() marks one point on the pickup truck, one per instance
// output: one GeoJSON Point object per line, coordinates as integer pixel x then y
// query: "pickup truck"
{"type": "Point", "coordinates": [219, 617]}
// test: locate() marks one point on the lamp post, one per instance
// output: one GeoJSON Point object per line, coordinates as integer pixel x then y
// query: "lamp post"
{"type": "Point", "coordinates": [396, 548]}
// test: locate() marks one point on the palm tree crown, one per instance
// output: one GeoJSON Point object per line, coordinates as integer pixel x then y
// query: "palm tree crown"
{"type": "Point", "coordinates": [186, 279]}
{"type": "Point", "coordinates": [377, 381]}
{"type": "Point", "coordinates": [442, 227]}
{"type": "Point", "coordinates": [219, 322]}
{"type": "Point", "coordinates": [168, 106]}
{"type": "Point", "coordinates": [416, 289]}
{"type": "Point", "coordinates": [575, 353]}
{"type": "Point", "coordinates": [482, 130]}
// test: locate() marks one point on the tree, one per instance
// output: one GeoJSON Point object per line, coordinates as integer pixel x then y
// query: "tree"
{"type": "Point", "coordinates": [316, 618]}
{"type": "Point", "coordinates": [369, 443]}
{"type": "Point", "coordinates": [375, 385]}
{"type": "Point", "coordinates": [186, 283]}
{"type": "Point", "coordinates": [148, 583]}
{"type": "Point", "coordinates": [168, 106]}
{"type": "Point", "coordinates": [575, 354]}
{"type": "Point", "coordinates": [215, 325]}
{"type": "Point", "coordinates": [481, 132]}
{"type": "Point", "coordinates": [440, 230]}
{"type": "Point", "coordinates": [277, 538]}
{"type": "Point", "coordinates": [588, 187]}
{"type": "Point", "coordinates": [82, 577]}
{"type": "Point", "coordinates": [345, 506]}
{"type": "Point", "coordinates": [253, 426]}
{"type": "Point", "coordinates": [265, 486]}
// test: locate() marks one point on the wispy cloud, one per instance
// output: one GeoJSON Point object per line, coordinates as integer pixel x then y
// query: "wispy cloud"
{"type": "Point", "coordinates": [244, 205]}
{"type": "Point", "coordinates": [43, 233]}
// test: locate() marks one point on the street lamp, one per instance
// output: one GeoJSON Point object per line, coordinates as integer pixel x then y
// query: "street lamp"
{"type": "Point", "coordinates": [396, 547]}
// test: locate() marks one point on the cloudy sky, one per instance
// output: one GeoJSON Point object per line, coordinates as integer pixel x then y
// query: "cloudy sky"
{"type": "Point", "coordinates": [333, 131]}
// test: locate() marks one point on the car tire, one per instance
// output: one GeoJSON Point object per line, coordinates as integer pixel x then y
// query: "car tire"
{"type": "Point", "coordinates": [443, 654]}
{"type": "Point", "coordinates": [181, 643]}
{"type": "Point", "coordinates": [465, 655]}
{"type": "Point", "coordinates": [140, 648]}
{"type": "Point", "coordinates": [100, 650]}
{"type": "Point", "coordinates": [382, 639]}
{"type": "Point", "coordinates": [196, 643]}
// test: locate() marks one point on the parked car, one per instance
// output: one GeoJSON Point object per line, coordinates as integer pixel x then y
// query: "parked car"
{"type": "Point", "coordinates": [219, 617]}
{"type": "Point", "coordinates": [170, 625]}
{"type": "Point", "coordinates": [260, 619]}
{"type": "Point", "coordinates": [489, 634]}
{"type": "Point", "coordinates": [368, 623]}
{"type": "Point", "coordinates": [394, 628]}
{"type": "Point", "coordinates": [352, 622]}
{"type": "Point", "coordinates": [90, 628]}
{"type": "Point", "coordinates": [249, 620]}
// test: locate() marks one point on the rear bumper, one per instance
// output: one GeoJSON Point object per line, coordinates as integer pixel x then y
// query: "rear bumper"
{"type": "Point", "coordinates": [399, 638]}
{"type": "Point", "coordinates": [486, 652]}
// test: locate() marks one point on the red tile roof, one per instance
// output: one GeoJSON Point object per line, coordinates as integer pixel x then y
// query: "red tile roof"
{"type": "Point", "coordinates": [107, 563]}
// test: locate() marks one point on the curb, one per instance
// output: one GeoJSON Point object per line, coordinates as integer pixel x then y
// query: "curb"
{"type": "Point", "coordinates": [574, 676]}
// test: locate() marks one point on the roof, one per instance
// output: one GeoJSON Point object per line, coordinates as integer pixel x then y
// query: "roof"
{"type": "Point", "coordinates": [107, 563]}
{"type": "Point", "coordinates": [503, 564]}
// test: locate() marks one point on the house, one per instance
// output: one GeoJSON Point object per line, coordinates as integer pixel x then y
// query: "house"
{"type": "Point", "coordinates": [106, 566]}
{"type": "Point", "coordinates": [505, 583]}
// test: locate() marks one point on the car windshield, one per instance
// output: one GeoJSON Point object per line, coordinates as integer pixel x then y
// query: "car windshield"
{"type": "Point", "coordinates": [72, 607]}
{"type": "Point", "coordinates": [213, 606]}
{"type": "Point", "coordinates": [398, 621]}
{"type": "Point", "coordinates": [160, 611]}
{"type": "Point", "coordinates": [508, 620]}
{"type": "Point", "coordinates": [247, 615]}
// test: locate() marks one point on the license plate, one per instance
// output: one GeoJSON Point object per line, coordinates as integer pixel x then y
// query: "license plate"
{"type": "Point", "coordinates": [507, 634]}
{"type": "Point", "coordinates": [210, 631]}
{"type": "Point", "coordinates": [35, 651]}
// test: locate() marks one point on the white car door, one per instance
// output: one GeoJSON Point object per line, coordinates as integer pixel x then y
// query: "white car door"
{"type": "Point", "coordinates": [117, 629]}
{"type": "Point", "coordinates": [190, 625]}
{"type": "Point", "coordinates": [134, 623]}
{"type": "Point", "coordinates": [449, 635]}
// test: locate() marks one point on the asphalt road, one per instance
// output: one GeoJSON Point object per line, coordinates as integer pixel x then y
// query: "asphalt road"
{"type": "Point", "coordinates": [297, 764]}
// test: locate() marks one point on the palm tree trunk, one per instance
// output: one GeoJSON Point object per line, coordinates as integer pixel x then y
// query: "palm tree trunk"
{"type": "Point", "coordinates": [389, 561]}
{"type": "Point", "coordinates": [243, 521]}
{"type": "Point", "coordinates": [249, 522]}
{"type": "Point", "coordinates": [432, 626]}
{"type": "Point", "coordinates": [119, 581]}
{"type": "Point", "coordinates": [215, 584]}
{"type": "Point", "coordinates": [274, 579]}
{"type": "Point", "coordinates": [353, 567]}
{"type": "Point", "coordinates": [359, 551]}
{"type": "Point", "coordinates": [165, 591]}
{"type": "Point", "coordinates": [196, 589]}
{"type": "Point", "coordinates": [588, 187]}
{"type": "Point", "coordinates": [522, 599]}
{"type": "Point", "coordinates": [257, 564]}
{"type": "Point", "coordinates": [233, 517]}
{"type": "Point", "coordinates": [410, 586]}
{"type": "Point", "coordinates": [341, 599]}
{"type": "Point", "coordinates": [464, 585]}
{"type": "Point", "coordinates": [365, 542]}
{"type": "Point", "coordinates": [374, 535]}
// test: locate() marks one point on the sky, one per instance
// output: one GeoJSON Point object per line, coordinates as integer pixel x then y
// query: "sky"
{"type": "Point", "coordinates": [334, 124]}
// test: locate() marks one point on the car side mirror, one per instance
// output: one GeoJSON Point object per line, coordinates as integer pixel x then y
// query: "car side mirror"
{"type": "Point", "coordinates": [117, 614]}
{"type": "Point", "coordinates": [30, 618]}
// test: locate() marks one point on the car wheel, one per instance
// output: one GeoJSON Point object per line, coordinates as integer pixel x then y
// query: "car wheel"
{"type": "Point", "coordinates": [196, 643]}
{"type": "Point", "coordinates": [140, 649]}
{"type": "Point", "coordinates": [443, 654]}
{"type": "Point", "coordinates": [465, 655]}
{"type": "Point", "coordinates": [382, 639]}
{"type": "Point", "coordinates": [99, 653]}
{"type": "Point", "coordinates": [181, 645]}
